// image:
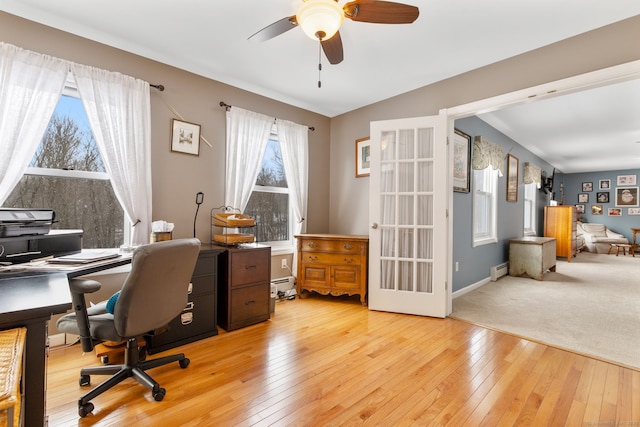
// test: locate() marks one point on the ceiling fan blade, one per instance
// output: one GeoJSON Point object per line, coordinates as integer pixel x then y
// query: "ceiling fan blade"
{"type": "Point", "coordinates": [333, 49]}
{"type": "Point", "coordinates": [380, 12]}
{"type": "Point", "coordinates": [275, 29]}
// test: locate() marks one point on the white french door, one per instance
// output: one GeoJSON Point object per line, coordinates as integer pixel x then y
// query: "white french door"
{"type": "Point", "coordinates": [408, 255]}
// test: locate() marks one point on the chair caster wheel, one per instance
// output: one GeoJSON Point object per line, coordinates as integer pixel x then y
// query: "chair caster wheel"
{"type": "Point", "coordinates": [158, 395]}
{"type": "Point", "coordinates": [84, 410]}
{"type": "Point", "coordinates": [104, 360]}
{"type": "Point", "coordinates": [184, 363]}
{"type": "Point", "coordinates": [85, 380]}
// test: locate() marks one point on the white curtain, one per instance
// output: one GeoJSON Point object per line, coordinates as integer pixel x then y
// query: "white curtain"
{"type": "Point", "coordinates": [294, 144]}
{"type": "Point", "coordinates": [119, 111]}
{"type": "Point", "coordinates": [30, 86]}
{"type": "Point", "coordinates": [247, 137]}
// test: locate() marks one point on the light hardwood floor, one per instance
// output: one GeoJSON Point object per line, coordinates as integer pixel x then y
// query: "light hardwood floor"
{"type": "Point", "coordinates": [324, 361]}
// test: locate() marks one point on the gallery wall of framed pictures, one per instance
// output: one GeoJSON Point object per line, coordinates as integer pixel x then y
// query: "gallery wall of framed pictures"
{"type": "Point", "coordinates": [611, 197]}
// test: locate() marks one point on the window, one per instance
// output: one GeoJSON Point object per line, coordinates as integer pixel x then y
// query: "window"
{"type": "Point", "coordinates": [485, 204]}
{"type": "Point", "coordinates": [269, 201]}
{"type": "Point", "coordinates": [530, 209]}
{"type": "Point", "coordinates": [67, 175]}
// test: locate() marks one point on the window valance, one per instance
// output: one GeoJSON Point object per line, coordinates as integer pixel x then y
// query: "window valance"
{"type": "Point", "coordinates": [532, 173]}
{"type": "Point", "coordinates": [487, 153]}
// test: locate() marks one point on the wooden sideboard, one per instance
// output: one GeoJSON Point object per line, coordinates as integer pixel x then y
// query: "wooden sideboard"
{"type": "Point", "coordinates": [333, 264]}
{"type": "Point", "coordinates": [560, 223]}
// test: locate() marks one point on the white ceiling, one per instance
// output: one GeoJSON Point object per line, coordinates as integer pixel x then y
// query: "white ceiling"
{"type": "Point", "coordinates": [449, 37]}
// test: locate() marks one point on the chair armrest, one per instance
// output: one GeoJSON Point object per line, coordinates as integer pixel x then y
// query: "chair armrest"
{"type": "Point", "coordinates": [614, 235]}
{"type": "Point", "coordinates": [78, 288]}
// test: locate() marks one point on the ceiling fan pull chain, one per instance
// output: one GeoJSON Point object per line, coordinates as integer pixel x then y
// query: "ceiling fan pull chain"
{"type": "Point", "coordinates": [319, 62]}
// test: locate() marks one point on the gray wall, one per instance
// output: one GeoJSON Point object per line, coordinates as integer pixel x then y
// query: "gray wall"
{"type": "Point", "coordinates": [573, 186]}
{"type": "Point", "coordinates": [474, 263]}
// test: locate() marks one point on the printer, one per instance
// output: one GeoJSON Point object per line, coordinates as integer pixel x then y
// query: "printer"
{"type": "Point", "coordinates": [25, 234]}
{"type": "Point", "coordinates": [21, 222]}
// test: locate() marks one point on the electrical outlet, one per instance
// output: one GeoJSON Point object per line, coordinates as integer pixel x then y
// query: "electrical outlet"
{"type": "Point", "coordinates": [284, 263]}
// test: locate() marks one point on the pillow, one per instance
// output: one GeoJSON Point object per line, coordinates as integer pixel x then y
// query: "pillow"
{"type": "Point", "coordinates": [111, 302]}
{"type": "Point", "coordinates": [596, 230]}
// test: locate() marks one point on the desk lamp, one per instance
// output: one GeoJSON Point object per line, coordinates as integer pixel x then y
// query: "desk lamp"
{"type": "Point", "coordinates": [199, 200]}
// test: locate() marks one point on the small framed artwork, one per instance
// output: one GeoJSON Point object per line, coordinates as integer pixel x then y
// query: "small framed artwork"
{"type": "Point", "coordinates": [626, 180]}
{"type": "Point", "coordinates": [580, 209]}
{"type": "Point", "coordinates": [185, 137]}
{"type": "Point", "coordinates": [587, 186]}
{"type": "Point", "coordinates": [461, 161]}
{"type": "Point", "coordinates": [602, 197]}
{"type": "Point", "coordinates": [363, 157]}
{"type": "Point", "coordinates": [596, 209]}
{"type": "Point", "coordinates": [614, 212]}
{"type": "Point", "coordinates": [633, 211]}
{"type": "Point", "coordinates": [512, 178]}
{"type": "Point", "coordinates": [627, 196]}
{"type": "Point", "coordinates": [583, 198]}
{"type": "Point", "coordinates": [604, 184]}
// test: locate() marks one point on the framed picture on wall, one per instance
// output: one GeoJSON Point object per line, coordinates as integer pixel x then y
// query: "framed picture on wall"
{"type": "Point", "coordinates": [512, 178]}
{"type": "Point", "coordinates": [580, 209]}
{"type": "Point", "coordinates": [604, 184]}
{"type": "Point", "coordinates": [615, 212]}
{"type": "Point", "coordinates": [627, 196]}
{"type": "Point", "coordinates": [626, 180]}
{"type": "Point", "coordinates": [583, 198]}
{"type": "Point", "coordinates": [602, 197]}
{"type": "Point", "coordinates": [363, 157]}
{"type": "Point", "coordinates": [596, 209]}
{"type": "Point", "coordinates": [587, 186]}
{"type": "Point", "coordinates": [461, 161]}
{"type": "Point", "coordinates": [633, 211]}
{"type": "Point", "coordinates": [185, 137]}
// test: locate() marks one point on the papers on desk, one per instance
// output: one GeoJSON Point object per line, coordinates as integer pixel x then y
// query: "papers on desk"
{"type": "Point", "coordinates": [85, 257]}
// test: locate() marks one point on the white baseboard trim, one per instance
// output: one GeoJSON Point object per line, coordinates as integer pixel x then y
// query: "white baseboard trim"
{"type": "Point", "coordinates": [471, 287]}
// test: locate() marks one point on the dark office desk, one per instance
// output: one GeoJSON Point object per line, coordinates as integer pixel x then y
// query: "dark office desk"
{"type": "Point", "coordinates": [29, 298]}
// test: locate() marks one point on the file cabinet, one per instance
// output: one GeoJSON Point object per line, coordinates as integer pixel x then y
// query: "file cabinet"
{"type": "Point", "coordinates": [244, 289]}
{"type": "Point", "coordinates": [198, 319]}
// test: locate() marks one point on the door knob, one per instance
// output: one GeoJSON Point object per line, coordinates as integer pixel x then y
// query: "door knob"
{"type": "Point", "coordinates": [374, 225]}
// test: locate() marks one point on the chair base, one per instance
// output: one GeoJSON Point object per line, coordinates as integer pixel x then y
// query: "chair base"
{"type": "Point", "coordinates": [134, 366]}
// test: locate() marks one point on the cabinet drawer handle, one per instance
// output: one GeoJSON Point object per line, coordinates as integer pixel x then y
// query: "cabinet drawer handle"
{"type": "Point", "coordinates": [249, 267]}
{"type": "Point", "coordinates": [348, 246]}
{"type": "Point", "coordinates": [313, 258]}
{"type": "Point", "coordinates": [249, 302]}
{"type": "Point", "coordinates": [313, 245]}
{"type": "Point", "coordinates": [348, 260]}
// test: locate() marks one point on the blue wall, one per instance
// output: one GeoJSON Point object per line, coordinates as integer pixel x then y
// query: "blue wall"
{"type": "Point", "coordinates": [475, 263]}
{"type": "Point", "coordinates": [572, 184]}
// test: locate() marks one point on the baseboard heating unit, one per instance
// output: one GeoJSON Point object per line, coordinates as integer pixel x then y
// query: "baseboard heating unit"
{"type": "Point", "coordinates": [282, 284]}
{"type": "Point", "coordinates": [497, 271]}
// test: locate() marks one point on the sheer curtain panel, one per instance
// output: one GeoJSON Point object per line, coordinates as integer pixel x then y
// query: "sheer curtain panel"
{"type": "Point", "coordinates": [247, 137]}
{"type": "Point", "coordinates": [294, 144]}
{"type": "Point", "coordinates": [30, 86]}
{"type": "Point", "coordinates": [119, 111]}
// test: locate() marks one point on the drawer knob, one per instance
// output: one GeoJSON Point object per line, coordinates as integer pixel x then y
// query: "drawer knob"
{"type": "Point", "coordinates": [249, 267]}
{"type": "Point", "coordinates": [313, 258]}
{"type": "Point", "coordinates": [313, 245]}
{"type": "Point", "coordinates": [348, 246]}
{"type": "Point", "coordinates": [249, 302]}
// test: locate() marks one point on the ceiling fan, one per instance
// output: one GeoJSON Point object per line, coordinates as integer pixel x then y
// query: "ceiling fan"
{"type": "Point", "coordinates": [321, 20]}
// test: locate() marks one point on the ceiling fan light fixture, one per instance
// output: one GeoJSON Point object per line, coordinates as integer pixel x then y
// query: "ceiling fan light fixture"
{"type": "Point", "coordinates": [320, 19]}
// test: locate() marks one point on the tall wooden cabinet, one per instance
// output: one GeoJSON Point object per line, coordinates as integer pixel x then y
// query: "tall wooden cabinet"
{"type": "Point", "coordinates": [333, 264]}
{"type": "Point", "coordinates": [244, 286]}
{"type": "Point", "coordinates": [560, 222]}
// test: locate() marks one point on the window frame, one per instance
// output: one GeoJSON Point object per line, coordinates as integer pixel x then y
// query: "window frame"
{"type": "Point", "coordinates": [530, 205]}
{"type": "Point", "coordinates": [70, 89]}
{"type": "Point", "coordinates": [490, 221]}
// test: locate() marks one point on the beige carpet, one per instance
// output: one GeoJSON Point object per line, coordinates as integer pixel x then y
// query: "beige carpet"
{"type": "Point", "coordinates": [590, 306]}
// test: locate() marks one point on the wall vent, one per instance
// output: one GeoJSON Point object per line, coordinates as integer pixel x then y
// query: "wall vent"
{"type": "Point", "coordinates": [497, 271]}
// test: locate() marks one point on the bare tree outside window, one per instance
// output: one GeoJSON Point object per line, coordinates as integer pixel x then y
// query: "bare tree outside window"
{"type": "Point", "coordinates": [79, 202]}
{"type": "Point", "coordinates": [269, 201]}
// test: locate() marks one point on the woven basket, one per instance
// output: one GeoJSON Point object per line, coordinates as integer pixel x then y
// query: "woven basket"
{"type": "Point", "coordinates": [12, 343]}
{"type": "Point", "coordinates": [233, 220]}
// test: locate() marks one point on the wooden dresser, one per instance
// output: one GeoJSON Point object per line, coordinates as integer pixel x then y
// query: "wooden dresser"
{"type": "Point", "coordinates": [244, 286]}
{"type": "Point", "coordinates": [333, 264]}
{"type": "Point", "coordinates": [560, 222]}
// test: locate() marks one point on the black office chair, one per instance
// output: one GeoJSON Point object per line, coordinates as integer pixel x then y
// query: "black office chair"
{"type": "Point", "coordinates": [154, 293]}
